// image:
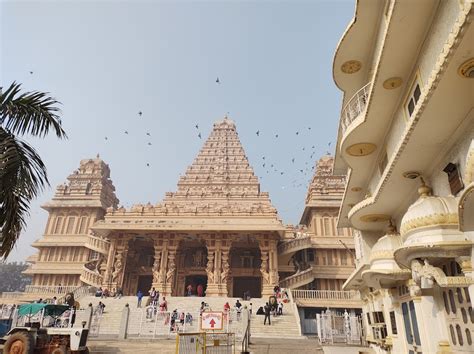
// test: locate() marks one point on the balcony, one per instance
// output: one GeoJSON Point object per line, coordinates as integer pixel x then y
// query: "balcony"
{"type": "Point", "coordinates": [354, 107]}
{"type": "Point", "coordinates": [327, 298]}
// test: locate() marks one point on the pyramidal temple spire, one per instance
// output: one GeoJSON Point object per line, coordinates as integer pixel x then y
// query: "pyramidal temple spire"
{"type": "Point", "coordinates": [220, 179]}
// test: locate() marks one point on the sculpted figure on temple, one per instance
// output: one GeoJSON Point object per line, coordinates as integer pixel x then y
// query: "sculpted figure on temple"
{"type": "Point", "coordinates": [118, 266]}
{"type": "Point", "coordinates": [156, 268]}
{"type": "Point", "coordinates": [225, 267]}
{"type": "Point", "coordinates": [264, 267]}
{"type": "Point", "coordinates": [171, 270]}
{"type": "Point", "coordinates": [210, 267]}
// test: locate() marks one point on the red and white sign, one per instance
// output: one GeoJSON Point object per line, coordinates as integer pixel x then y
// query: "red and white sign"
{"type": "Point", "coordinates": [211, 321]}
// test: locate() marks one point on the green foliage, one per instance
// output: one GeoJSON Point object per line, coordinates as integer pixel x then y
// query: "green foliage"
{"type": "Point", "coordinates": [22, 172]}
{"type": "Point", "coordinates": [12, 278]}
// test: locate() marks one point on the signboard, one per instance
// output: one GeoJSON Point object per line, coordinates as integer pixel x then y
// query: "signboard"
{"type": "Point", "coordinates": [212, 321]}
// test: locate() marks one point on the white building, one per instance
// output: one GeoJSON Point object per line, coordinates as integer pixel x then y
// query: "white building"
{"type": "Point", "coordinates": [406, 142]}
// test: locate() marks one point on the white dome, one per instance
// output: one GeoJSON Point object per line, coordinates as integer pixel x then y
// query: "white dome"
{"type": "Point", "coordinates": [429, 211]}
{"type": "Point", "coordinates": [385, 246]}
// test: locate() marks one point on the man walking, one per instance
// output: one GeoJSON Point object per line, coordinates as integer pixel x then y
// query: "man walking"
{"type": "Point", "coordinates": [267, 314]}
{"type": "Point", "coordinates": [139, 298]}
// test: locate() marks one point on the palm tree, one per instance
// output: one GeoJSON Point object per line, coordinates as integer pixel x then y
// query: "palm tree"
{"type": "Point", "coordinates": [22, 173]}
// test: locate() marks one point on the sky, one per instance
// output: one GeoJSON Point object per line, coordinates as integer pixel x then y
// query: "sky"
{"type": "Point", "coordinates": [107, 60]}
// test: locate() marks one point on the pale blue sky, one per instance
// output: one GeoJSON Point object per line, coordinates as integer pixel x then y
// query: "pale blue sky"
{"type": "Point", "coordinates": [105, 61]}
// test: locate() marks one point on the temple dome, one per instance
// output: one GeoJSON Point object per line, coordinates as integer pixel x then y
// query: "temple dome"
{"type": "Point", "coordinates": [430, 211]}
{"type": "Point", "coordinates": [385, 246]}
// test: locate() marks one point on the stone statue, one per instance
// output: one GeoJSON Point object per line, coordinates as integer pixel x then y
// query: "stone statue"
{"type": "Point", "coordinates": [210, 268]}
{"type": "Point", "coordinates": [118, 266]}
{"type": "Point", "coordinates": [171, 270]}
{"type": "Point", "coordinates": [156, 268]}
{"type": "Point", "coordinates": [225, 267]}
{"type": "Point", "coordinates": [263, 269]}
{"type": "Point", "coordinates": [197, 258]}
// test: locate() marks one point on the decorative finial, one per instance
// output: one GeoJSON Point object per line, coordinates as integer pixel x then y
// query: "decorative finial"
{"type": "Point", "coordinates": [98, 156]}
{"type": "Point", "coordinates": [424, 190]}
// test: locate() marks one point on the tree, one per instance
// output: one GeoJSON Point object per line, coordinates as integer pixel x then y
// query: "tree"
{"type": "Point", "coordinates": [22, 172]}
{"type": "Point", "coordinates": [12, 277]}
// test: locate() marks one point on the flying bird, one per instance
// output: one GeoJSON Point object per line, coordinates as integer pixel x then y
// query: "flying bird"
{"type": "Point", "coordinates": [197, 126]}
{"type": "Point", "coordinates": [148, 164]}
{"type": "Point", "coordinates": [218, 81]}
{"type": "Point", "coordinates": [199, 135]}
{"type": "Point", "coordinates": [126, 132]}
{"type": "Point", "coordinates": [309, 128]}
{"type": "Point", "coordinates": [297, 133]}
{"type": "Point", "coordinates": [293, 160]}
{"type": "Point", "coordinates": [140, 113]}
{"type": "Point", "coordinates": [263, 157]}
{"type": "Point", "coordinates": [105, 138]}
{"type": "Point", "coordinates": [276, 135]}
{"type": "Point", "coordinates": [31, 72]}
{"type": "Point", "coordinates": [303, 149]}
{"type": "Point", "coordinates": [257, 132]}
{"type": "Point", "coordinates": [281, 173]}
{"type": "Point", "coordinates": [148, 134]}
{"type": "Point", "coordinates": [149, 143]}
{"type": "Point", "coordinates": [263, 165]}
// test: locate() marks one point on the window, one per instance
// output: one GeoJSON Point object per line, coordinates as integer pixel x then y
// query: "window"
{"type": "Point", "coordinates": [413, 98]}
{"type": "Point", "coordinates": [88, 189]}
{"type": "Point", "coordinates": [83, 225]}
{"type": "Point", "coordinates": [393, 322]}
{"type": "Point", "coordinates": [310, 255]}
{"type": "Point", "coordinates": [411, 324]}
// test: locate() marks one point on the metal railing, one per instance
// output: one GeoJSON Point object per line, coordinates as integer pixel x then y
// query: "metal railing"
{"type": "Point", "coordinates": [326, 294]}
{"type": "Point", "coordinates": [355, 106]}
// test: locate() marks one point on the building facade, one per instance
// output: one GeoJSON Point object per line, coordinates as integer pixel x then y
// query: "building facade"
{"type": "Point", "coordinates": [218, 230]}
{"type": "Point", "coordinates": [406, 143]}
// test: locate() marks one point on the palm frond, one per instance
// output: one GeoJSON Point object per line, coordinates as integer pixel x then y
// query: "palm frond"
{"type": "Point", "coordinates": [22, 177]}
{"type": "Point", "coordinates": [32, 113]}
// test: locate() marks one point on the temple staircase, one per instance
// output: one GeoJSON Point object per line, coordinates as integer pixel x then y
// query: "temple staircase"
{"type": "Point", "coordinates": [282, 326]}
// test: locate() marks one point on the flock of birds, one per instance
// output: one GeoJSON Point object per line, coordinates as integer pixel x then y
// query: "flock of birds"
{"type": "Point", "coordinates": [299, 173]}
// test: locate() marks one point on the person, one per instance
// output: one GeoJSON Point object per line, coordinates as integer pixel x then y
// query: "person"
{"type": "Point", "coordinates": [152, 295]}
{"type": "Point", "coordinates": [226, 307]}
{"type": "Point", "coordinates": [181, 318]}
{"type": "Point", "coordinates": [119, 293]}
{"type": "Point", "coordinates": [60, 288]}
{"type": "Point", "coordinates": [260, 311]}
{"type": "Point", "coordinates": [100, 308]}
{"type": "Point", "coordinates": [40, 301]}
{"type": "Point", "coordinates": [276, 290]}
{"type": "Point", "coordinates": [280, 308]}
{"type": "Point", "coordinates": [267, 314]}
{"type": "Point", "coordinates": [55, 300]}
{"type": "Point", "coordinates": [238, 307]}
{"type": "Point", "coordinates": [189, 290]}
{"type": "Point", "coordinates": [164, 305]}
{"type": "Point", "coordinates": [157, 298]}
{"type": "Point", "coordinates": [139, 298]}
{"type": "Point", "coordinates": [250, 309]}
{"type": "Point", "coordinates": [189, 319]}
{"type": "Point", "coordinates": [200, 290]}
{"type": "Point", "coordinates": [98, 293]}
{"type": "Point", "coordinates": [202, 308]}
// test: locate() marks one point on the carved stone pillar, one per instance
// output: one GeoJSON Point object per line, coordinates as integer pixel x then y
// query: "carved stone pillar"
{"type": "Point", "coordinates": [273, 262]}
{"type": "Point", "coordinates": [107, 275]}
{"type": "Point", "coordinates": [468, 270]}
{"type": "Point", "coordinates": [267, 286]}
{"type": "Point", "coordinates": [158, 283]}
{"type": "Point", "coordinates": [119, 264]}
{"type": "Point", "coordinates": [212, 280]}
{"type": "Point", "coordinates": [170, 272]}
{"type": "Point", "coordinates": [225, 276]}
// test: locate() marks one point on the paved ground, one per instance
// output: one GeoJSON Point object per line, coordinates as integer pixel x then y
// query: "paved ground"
{"type": "Point", "coordinates": [168, 346]}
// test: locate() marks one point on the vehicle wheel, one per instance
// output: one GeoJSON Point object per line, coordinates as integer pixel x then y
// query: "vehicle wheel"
{"type": "Point", "coordinates": [19, 343]}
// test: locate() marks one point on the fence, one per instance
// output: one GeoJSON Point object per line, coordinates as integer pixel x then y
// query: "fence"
{"type": "Point", "coordinates": [150, 323]}
{"type": "Point", "coordinates": [335, 328]}
{"type": "Point", "coordinates": [205, 343]}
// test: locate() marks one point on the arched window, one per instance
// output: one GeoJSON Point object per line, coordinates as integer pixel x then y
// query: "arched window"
{"type": "Point", "coordinates": [88, 189]}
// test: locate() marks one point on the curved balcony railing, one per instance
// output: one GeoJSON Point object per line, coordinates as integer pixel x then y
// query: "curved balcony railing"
{"type": "Point", "coordinates": [299, 279]}
{"type": "Point", "coordinates": [98, 244]}
{"type": "Point", "coordinates": [91, 277]}
{"type": "Point", "coordinates": [354, 107]}
{"type": "Point", "coordinates": [294, 245]}
{"type": "Point", "coordinates": [326, 295]}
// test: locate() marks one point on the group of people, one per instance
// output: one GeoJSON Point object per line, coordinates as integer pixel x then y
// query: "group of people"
{"type": "Point", "coordinates": [105, 293]}
{"type": "Point", "coordinates": [199, 290]}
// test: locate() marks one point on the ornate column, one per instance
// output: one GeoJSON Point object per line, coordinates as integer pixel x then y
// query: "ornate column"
{"type": "Point", "coordinates": [170, 272]}
{"type": "Point", "coordinates": [107, 275]}
{"type": "Point", "coordinates": [267, 287]}
{"type": "Point", "coordinates": [157, 268]}
{"type": "Point", "coordinates": [273, 262]}
{"type": "Point", "coordinates": [212, 281]}
{"type": "Point", "coordinates": [119, 263]}
{"type": "Point", "coordinates": [225, 271]}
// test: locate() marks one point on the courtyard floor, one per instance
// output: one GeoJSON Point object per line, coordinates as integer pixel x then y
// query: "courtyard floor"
{"type": "Point", "coordinates": [259, 346]}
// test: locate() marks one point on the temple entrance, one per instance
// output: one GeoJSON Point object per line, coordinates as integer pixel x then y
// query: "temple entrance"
{"type": "Point", "coordinates": [144, 284]}
{"type": "Point", "coordinates": [252, 285]}
{"type": "Point", "coordinates": [196, 282]}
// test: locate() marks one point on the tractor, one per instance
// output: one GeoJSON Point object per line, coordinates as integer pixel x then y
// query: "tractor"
{"type": "Point", "coordinates": [30, 334]}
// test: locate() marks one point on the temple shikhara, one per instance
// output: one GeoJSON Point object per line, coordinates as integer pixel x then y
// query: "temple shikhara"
{"type": "Point", "coordinates": [217, 230]}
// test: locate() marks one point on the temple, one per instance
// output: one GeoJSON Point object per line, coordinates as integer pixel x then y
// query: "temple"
{"type": "Point", "coordinates": [217, 230]}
